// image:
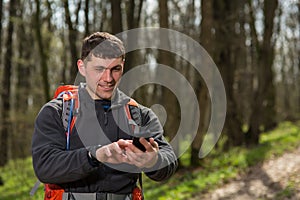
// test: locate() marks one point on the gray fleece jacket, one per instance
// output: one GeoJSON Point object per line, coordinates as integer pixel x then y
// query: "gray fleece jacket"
{"type": "Point", "coordinates": [73, 169]}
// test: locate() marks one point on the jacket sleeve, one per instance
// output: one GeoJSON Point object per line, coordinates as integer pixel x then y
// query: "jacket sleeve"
{"type": "Point", "coordinates": [167, 161]}
{"type": "Point", "coordinates": [51, 162]}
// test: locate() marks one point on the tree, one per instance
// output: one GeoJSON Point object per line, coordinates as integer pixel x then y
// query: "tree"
{"type": "Point", "coordinates": [23, 87]}
{"type": "Point", "coordinates": [1, 14]}
{"type": "Point", "coordinates": [298, 3]}
{"type": "Point", "coordinates": [6, 84]}
{"type": "Point", "coordinates": [86, 16]}
{"type": "Point", "coordinates": [72, 37]}
{"type": "Point", "coordinates": [206, 40]}
{"type": "Point", "coordinates": [116, 19]}
{"type": "Point", "coordinates": [166, 58]}
{"type": "Point", "coordinates": [133, 13]}
{"type": "Point", "coordinates": [287, 60]}
{"type": "Point", "coordinates": [41, 50]}
{"type": "Point", "coordinates": [262, 102]}
{"type": "Point", "coordinates": [225, 55]}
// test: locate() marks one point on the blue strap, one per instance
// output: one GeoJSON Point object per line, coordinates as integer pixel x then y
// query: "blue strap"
{"type": "Point", "coordinates": [68, 128]}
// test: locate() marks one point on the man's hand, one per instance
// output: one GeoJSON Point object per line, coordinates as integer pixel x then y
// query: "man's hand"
{"type": "Point", "coordinates": [142, 159]}
{"type": "Point", "coordinates": [113, 153]}
{"type": "Point", "coordinates": [123, 151]}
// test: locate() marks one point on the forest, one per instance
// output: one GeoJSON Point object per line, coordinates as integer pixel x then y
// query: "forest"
{"type": "Point", "coordinates": [254, 44]}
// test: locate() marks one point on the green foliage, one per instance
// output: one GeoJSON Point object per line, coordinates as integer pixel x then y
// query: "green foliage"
{"type": "Point", "coordinates": [217, 168]}
{"type": "Point", "coordinates": [19, 178]}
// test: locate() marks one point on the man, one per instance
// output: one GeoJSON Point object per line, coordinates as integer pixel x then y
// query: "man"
{"type": "Point", "coordinates": [101, 161]}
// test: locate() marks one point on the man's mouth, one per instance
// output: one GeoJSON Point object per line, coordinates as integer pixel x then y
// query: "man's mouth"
{"type": "Point", "coordinates": [106, 87]}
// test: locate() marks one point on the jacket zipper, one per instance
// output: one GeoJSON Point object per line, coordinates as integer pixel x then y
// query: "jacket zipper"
{"type": "Point", "coordinates": [105, 118]}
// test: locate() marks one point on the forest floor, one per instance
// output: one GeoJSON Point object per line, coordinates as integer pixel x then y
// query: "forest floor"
{"type": "Point", "coordinates": [276, 178]}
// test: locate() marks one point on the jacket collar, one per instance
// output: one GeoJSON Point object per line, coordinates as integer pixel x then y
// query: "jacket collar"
{"type": "Point", "coordinates": [118, 99]}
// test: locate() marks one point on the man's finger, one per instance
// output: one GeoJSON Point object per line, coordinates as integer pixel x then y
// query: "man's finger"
{"type": "Point", "coordinates": [107, 151]}
{"type": "Point", "coordinates": [115, 146]}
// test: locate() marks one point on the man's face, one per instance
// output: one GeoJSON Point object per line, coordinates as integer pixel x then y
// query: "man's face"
{"type": "Point", "coordinates": [102, 75]}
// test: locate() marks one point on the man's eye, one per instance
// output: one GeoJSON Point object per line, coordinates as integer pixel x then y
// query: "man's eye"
{"type": "Point", "coordinates": [117, 68]}
{"type": "Point", "coordinates": [100, 69]}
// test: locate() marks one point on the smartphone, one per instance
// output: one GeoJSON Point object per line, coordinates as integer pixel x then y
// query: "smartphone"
{"type": "Point", "coordinates": [136, 140]}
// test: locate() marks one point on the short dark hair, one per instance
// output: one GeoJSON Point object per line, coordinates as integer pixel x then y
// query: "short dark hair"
{"type": "Point", "coordinates": [102, 45]}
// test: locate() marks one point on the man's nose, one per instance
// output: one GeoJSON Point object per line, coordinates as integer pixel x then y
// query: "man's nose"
{"type": "Point", "coordinates": [107, 75]}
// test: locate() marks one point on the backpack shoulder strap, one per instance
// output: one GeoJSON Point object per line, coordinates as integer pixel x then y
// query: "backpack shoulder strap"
{"type": "Point", "coordinates": [133, 114]}
{"type": "Point", "coordinates": [70, 104]}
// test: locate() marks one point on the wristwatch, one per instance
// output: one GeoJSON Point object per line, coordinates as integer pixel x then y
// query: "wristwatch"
{"type": "Point", "coordinates": [92, 152]}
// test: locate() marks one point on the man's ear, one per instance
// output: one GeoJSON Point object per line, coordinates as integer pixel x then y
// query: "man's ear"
{"type": "Point", "coordinates": [81, 67]}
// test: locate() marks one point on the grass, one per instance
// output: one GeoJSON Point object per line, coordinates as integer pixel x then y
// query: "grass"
{"type": "Point", "coordinates": [288, 192]}
{"type": "Point", "coordinates": [217, 168]}
{"type": "Point", "coordinates": [19, 178]}
{"type": "Point", "coordinates": [220, 167]}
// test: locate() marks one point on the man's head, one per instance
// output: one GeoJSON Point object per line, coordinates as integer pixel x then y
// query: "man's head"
{"type": "Point", "coordinates": [101, 63]}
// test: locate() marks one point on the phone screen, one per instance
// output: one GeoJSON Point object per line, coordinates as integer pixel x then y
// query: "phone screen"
{"type": "Point", "coordinates": [136, 139]}
{"type": "Point", "coordinates": [136, 142]}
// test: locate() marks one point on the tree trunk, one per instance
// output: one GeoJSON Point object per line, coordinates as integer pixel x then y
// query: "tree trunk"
{"type": "Point", "coordinates": [42, 53]}
{"type": "Point", "coordinates": [72, 37]}
{"type": "Point", "coordinates": [105, 18]}
{"type": "Point", "coordinates": [243, 74]}
{"type": "Point", "coordinates": [135, 58]}
{"type": "Point", "coordinates": [116, 16]}
{"type": "Point", "coordinates": [166, 58]}
{"type": "Point", "coordinates": [269, 120]}
{"type": "Point", "coordinates": [206, 39]}
{"type": "Point", "coordinates": [1, 35]}
{"type": "Point", "coordinates": [133, 19]}
{"type": "Point", "coordinates": [264, 95]}
{"type": "Point", "coordinates": [23, 88]}
{"type": "Point", "coordinates": [49, 16]}
{"type": "Point", "coordinates": [6, 85]}
{"type": "Point", "coordinates": [133, 12]}
{"type": "Point", "coordinates": [86, 16]}
{"type": "Point", "coordinates": [298, 62]}
{"type": "Point", "coordinates": [225, 56]}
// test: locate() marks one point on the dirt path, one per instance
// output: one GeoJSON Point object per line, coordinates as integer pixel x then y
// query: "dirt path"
{"type": "Point", "coordinates": [277, 178]}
